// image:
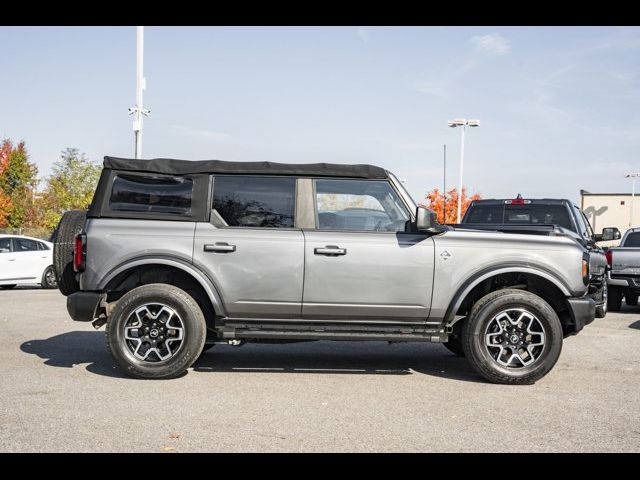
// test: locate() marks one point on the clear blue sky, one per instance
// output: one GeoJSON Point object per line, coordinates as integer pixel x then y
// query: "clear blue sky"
{"type": "Point", "coordinates": [560, 107]}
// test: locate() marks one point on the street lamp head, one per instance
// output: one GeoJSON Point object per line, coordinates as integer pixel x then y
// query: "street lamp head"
{"type": "Point", "coordinates": [473, 123]}
{"type": "Point", "coordinates": [631, 175]}
{"type": "Point", "coordinates": [457, 122]}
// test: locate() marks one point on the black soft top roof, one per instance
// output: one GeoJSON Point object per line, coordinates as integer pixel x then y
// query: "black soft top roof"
{"type": "Point", "coordinates": [183, 167]}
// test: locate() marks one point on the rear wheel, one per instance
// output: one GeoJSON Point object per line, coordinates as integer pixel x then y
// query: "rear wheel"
{"type": "Point", "coordinates": [7, 287]}
{"type": "Point", "coordinates": [156, 331]}
{"type": "Point", "coordinates": [512, 337]}
{"type": "Point", "coordinates": [49, 278]}
{"type": "Point", "coordinates": [631, 299]}
{"type": "Point", "coordinates": [614, 299]}
{"type": "Point", "coordinates": [70, 225]}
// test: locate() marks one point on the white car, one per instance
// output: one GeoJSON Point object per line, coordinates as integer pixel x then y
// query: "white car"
{"type": "Point", "coordinates": [26, 260]}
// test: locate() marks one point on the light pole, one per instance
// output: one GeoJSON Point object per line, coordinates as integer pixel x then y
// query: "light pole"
{"type": "Point", "coordinates": [138, 111]}
{"type": "Point", "coordinates": [462, 122]}
{"type": "Point", "coordinates": [633, 193]}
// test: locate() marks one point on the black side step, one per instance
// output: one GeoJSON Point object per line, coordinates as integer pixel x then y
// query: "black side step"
{"type": "Point", "coordinates": [438, 337]}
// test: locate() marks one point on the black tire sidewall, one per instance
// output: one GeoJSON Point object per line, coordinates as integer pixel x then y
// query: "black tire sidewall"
{"type": "Point", "coordinates": [614, 299]}
{"type": "Point", "coordinates": [481, 360]}
{"type": "Point", "coordinates": [631, 299]}
{"type": "Point", "coordinates": [185, 307]}
{"type": "Point", "coordinates": [70, 225]}
{"type": "Point", "coordinates": [44, 283]}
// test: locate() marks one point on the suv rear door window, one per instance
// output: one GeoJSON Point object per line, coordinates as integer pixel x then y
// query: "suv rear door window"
{"type": "Point", "coordinates": [155, 194]}
{"type": "Point", "coordinates": [265, 202]}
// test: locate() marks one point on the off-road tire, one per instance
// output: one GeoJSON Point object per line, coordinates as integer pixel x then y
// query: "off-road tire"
{"type": "Point", "coordinates": [483, 312]}
{"type": "Point", "coordinates": [70, 225]}
{"type": "Point", "coordinates": [185, 306]}
{"type": "Point", "coordinates": [631, 299]}
{"type": "Point", "coordinates": [614, 299]}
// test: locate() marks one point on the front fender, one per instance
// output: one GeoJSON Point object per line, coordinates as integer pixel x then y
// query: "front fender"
{"type": "Point", "coordinates": [479, 277]}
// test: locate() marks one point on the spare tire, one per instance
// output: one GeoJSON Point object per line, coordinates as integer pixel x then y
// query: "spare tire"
{"type": "Point", "coordinates": [70, 225]}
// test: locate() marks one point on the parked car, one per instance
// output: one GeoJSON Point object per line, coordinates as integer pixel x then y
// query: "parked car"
{"type": "Point", "coordinates": [24, 261]}
{"type": "Point", "coordinates": [175, 256]}
{"type": "Point", "coordinates": [548, 216]}
{"type": "Point", "coordinates": [624, 276]}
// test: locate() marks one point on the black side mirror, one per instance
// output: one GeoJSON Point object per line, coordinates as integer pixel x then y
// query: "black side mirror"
{"type": "Point", "coordinates": [610, 233]}
{"type": "Point", "coordinates": [426, 221]}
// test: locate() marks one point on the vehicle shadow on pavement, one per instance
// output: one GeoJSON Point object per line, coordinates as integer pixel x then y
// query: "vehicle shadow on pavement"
{"type": "Point", "coordinates": [368, 358]}
{"type": "Point", "coordinates": [75, 348]}
{"type": "Point", "coordinates": [635, 325]}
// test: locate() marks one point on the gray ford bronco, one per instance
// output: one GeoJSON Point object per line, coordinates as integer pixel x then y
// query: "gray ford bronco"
{"type": "Point", "coordinates": [175, 256]}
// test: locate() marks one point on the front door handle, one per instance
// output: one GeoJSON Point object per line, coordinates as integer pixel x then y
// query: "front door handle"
{"type": "Point", "coordinates": [220, 247]}
{"type": "Point", "coordinates": [330, 250]}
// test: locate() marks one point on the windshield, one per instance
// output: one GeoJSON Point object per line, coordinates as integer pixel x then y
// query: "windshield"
{"type": "Point", "coordinates": [586, 221]}
{"type": "Point", "coordinates": [403, 191]}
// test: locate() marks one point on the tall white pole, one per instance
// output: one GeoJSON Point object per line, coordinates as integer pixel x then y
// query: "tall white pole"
{"type": "Point", "coordinates": [633, 194]}
{"type": "Point", "coordinates": [461, 166]}
{"type": "Point", "coordinates": [137, 121]}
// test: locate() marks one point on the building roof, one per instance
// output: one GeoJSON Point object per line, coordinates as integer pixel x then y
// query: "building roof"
{"type": "Point", "coordinates": [172, 166]}
{"type": "Point", "coordinates": [584, 193]}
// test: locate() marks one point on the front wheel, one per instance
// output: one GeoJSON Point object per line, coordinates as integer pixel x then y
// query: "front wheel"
{"type": "Point", "coordinates": [512, 337]}
{"type": "Point", "coordinates": [156, 331]}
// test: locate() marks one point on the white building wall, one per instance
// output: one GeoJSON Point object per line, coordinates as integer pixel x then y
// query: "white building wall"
{"type": "Point", "coordinates": [610, 210]}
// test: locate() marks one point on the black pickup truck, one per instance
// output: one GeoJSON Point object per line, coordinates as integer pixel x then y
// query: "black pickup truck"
{"type": "Point", "coordinates": [547, 216]}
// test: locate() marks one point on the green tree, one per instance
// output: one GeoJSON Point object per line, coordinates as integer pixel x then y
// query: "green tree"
{"type": "Point", "coordinates": [17, 181]}
{"type": "Point", "coordinates": [70, 186]}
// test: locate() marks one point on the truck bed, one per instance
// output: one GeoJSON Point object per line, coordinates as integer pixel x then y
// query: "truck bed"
{"type": "Point", "coordinates": [625, 261]}
{"type": "Point", "coordinates": [539, 229]}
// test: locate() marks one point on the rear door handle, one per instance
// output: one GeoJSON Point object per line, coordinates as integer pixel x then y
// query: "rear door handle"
{"type": "Point", "coordinates": [330, 250]}
{"type": "Point", "coordinates": [220, 247]}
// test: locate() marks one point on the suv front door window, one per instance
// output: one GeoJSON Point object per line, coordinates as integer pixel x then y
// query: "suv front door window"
{"type": "Point", "coordinates": [356, 205]}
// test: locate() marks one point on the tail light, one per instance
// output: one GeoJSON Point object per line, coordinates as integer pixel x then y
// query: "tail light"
{"type": "Point", "coordinates": [80, 253]}
{"type": "Point", "coordinates": [609, 255]}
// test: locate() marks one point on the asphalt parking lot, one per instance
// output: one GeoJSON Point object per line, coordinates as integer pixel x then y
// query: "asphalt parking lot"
{"type": "Point", "coordinates": [60, 391]}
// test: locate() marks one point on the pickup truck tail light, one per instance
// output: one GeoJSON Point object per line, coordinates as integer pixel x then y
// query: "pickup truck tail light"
{"type": "Point", "coordinates": [609, 256]}
{"type": "Point", "coordinates": [80, 253]}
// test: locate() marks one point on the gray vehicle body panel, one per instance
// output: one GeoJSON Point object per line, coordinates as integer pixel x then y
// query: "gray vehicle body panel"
{"type": "Point", "coordinates": [383, 276]}
{"type": "Point", "coordinates": [465, 258]}
{"type": "Point", "coordinates": [262, 278]}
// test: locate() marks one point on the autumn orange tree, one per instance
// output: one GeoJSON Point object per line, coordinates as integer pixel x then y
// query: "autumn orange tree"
{"type": "Point", "coordinates": [5, 200]}
{"type": "Point", "coordinates": [447, 211]}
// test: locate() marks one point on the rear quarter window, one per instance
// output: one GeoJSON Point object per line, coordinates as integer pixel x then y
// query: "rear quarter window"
{"type": "Point", "coordinates": [151, 194]}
